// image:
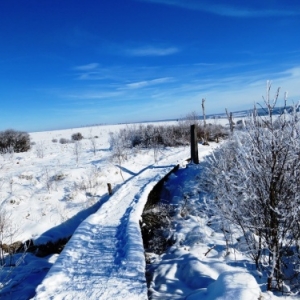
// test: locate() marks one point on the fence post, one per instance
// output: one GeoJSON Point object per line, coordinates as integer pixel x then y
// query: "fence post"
{"type": "Point", "coordinates": [109, 189]}
{"type": "Point", "coordinates": [194, 145]}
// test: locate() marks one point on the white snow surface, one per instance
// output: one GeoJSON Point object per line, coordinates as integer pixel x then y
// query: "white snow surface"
{"type": "Point", "coordinates": [105, 257]}
{"type": "Point", "coordinates": [48, 195]}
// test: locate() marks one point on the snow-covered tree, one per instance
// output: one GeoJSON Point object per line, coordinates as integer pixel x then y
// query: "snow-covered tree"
{"type": "Point", "coordinates": [253, 182]}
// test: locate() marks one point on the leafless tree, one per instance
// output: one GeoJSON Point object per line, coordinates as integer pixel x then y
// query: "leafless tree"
{"type": "Point", "coordinates": [93, 141]}
{"type": "Point", "coordinates": [77, 150]}
{"type": "Point", "coordinates": [48, 180]}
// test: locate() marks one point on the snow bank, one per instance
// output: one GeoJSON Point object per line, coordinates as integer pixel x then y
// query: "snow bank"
{"type": "Point", "coordinates": [230, 285]}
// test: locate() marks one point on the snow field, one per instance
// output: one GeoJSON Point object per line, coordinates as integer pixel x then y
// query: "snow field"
{"type": "Point", "coordinates": [105, 257]}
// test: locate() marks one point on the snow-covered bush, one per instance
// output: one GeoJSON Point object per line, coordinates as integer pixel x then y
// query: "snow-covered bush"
{"type": "Point", "coordinates": [89, 181]}
{"type": "Point", "coordinates": [153, 137]}
{"type": "Point", "coordinates": [64, 141]}
{"type": "Point", "coordinates": [16, 141]}
{"type": "Point", "coordinates": [59, 176]}
{"type": "Point", "coordinates": [77, 136]}
{"type": "Point", "coordinates": [253, 182]}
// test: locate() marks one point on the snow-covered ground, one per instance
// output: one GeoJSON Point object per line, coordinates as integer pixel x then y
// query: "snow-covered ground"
{"type": "Point", "coordinates": [199, 265]}
{"type": "Point", "coordinates": [50, 190]}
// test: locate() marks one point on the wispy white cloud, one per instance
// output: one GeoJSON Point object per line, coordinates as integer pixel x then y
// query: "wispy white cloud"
{"type": "Point", "coordinates": [231, 11]}
{"type": "Point", "coordinates": [88, 67]}
{"type": "Point", "coordinates": [177, 92]}
{"type": "Point", "coordinates": [89, 75]}
{"type": "Point", "coordinates": [178, 89]}
{"type": "Point", "coordinates": [93, 72]}
{"type": "Point", "coordinates": [92, 94]}
{"type": "Point", "coordinates": [237, 91]}
{"type": "Point", "coordinates": [151, 51]}
{"type": "Point", "coordinates": [223, 8]}
{"type": "Point", "coordinates": [145, 83]}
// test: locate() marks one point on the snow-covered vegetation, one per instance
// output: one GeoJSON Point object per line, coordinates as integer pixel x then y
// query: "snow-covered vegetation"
{"type": "Point", "coordinates": [230, 224]}
{"type": "Point", "coordinates": [252, 182]}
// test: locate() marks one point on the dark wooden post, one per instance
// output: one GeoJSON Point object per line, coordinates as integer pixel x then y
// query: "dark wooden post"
{"type": "Point", "coordinates": [194, 145]}
{"type": "Point", "coordinates": [109, 189]}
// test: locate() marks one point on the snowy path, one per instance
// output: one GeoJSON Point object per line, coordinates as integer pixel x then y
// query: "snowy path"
{"type": "Point", "coordinates": [105, 257]}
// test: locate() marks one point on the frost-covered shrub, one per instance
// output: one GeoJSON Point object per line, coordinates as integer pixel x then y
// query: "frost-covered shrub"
{"type": "Point", "coordinates": [54, 140]}
{"type": "Point", "coordinates": [77, 136]}
{"type": "Point", "coordinates": [26, 176]}
{"type": "Point", "coordinates": [151, 136]}
{"type": "Point", "coordinates": [59, 176]}
{"type": "Point", "coordinates": [64, 141]}
{"type": "Point", "coordinates": [252, 181]}
{"type": "Point", "coordinates": [16, 141]}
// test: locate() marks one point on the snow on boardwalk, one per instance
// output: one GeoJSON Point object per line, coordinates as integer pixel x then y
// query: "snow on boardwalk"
{"type": "Point", "coordinates": [105, 257]}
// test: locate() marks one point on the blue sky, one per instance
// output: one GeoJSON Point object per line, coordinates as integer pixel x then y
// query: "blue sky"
{"type": "Point", "coordinates": [69, 63]}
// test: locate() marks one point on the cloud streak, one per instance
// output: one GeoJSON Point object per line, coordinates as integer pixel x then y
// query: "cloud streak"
{"type": "Point", "coordinates": [142, 84]}
{"type": "Point", "coordinates": [179, 88]}
{"type": "Point", "coordinates": [88, 67]}
{"type": "Point", "coordinates": [152, 51]}
{"type": "Point", "coordinates": [94, 95]}
{"type": "Point", "coordinates": [222, 8]}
